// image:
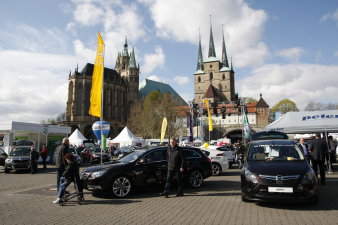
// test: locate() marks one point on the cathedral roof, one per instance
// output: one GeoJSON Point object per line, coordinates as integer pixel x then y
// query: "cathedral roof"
{"type": "Point", "coordinates": [261, 103]}
{"type": "Point", "coordinates": [211, 92]}
{"type": "Point", "coordinates": [148, 86]}
{"type": "Point", "coordinates": [109, 74]}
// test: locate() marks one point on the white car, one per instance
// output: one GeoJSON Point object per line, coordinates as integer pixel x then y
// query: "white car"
{"type": "Point", "coordinates": [228, 151]}
{"type": "Point", "coordinates": [219, 160]}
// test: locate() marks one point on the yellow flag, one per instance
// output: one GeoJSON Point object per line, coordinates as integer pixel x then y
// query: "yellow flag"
{"type": "Point", "coordinates": [164, 128]}
{"type": "Point", "coordinates": [97, 79]}
{"type": "Point", "coordinates": [206, 102]}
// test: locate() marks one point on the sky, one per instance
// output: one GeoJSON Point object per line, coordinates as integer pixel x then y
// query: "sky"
{"type": "Point", "coordinates": [282, 49]}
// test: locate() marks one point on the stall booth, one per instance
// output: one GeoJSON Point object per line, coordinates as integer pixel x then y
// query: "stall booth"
{"type": "Point", "coordinates": [13, 131]}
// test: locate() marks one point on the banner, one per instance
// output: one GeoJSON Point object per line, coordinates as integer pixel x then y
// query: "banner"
{"type": "Point", "coordinates": [97, 80]}
{"type": "Point", "coordinates": [164, 128]}
{"type": "Point", "coordinates": [206, 103]}
{"type": "Point", "coordinates": [246, 126]}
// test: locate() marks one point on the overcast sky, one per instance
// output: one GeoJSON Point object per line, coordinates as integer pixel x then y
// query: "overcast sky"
{"type": "Point", "coordinates": [282, 49]}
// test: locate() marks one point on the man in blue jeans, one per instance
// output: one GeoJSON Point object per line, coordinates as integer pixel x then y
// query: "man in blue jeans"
{"type": "Point", "coordinates": [175, 168]}
{"type": "Point", "coordinates": [60, 162]}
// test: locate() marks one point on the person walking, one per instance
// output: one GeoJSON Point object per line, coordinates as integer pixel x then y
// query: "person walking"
{"type": "Point", "coordinates": [176, 165]}
{"type": "Point", "coordinates": [34, 157]}
{"type": "Point", "coordinates": [60, 162]}
{"type": "Point", "coordinates": [70, 174]}
{"type": "Point", "coordinates": [305, 148]}
{"type": "Point", "coordinates": [44, 154]}
{"type": "Point", "coordinates": [332, 151]}
{"type": "Point", "coordinates": [319, 151]}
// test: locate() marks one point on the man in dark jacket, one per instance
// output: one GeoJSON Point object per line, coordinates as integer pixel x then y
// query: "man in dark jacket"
{"type": "Point", "coordinates": [319, 152]}
{"type": "Point", "coordinates": [60, 162]}
{"type": "Point", "coordinates": [34, 157]}
{"type": "Point", "coordinates": [175, 168]}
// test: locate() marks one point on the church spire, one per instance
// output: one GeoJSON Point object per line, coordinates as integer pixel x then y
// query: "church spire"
{"type": "Point", "coordinates": [231, 67]}
{"type": "Point", "coordinates": [225, 62]}
{"type": "Point", "coordinates": [125, 49]}
{"type": "Point", "coordinates": [132, 62]}
{"type": "Point", "coordinates": [211, 52]}
{"type": "Point", "coordinates": [200, 66]}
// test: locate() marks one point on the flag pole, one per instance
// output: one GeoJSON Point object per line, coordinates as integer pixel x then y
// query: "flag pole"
{"type": "Point", "coordinates": [101, 117]}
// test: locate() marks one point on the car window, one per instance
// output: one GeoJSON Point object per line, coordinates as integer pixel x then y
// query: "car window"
{"type": "Point", "coordinates": [155, 156]}
{"type": "Point", "coordinates": [223, 148]}
{"type": "Point", "coordinates": [271, 151]}
{"type": "Point", "coordinates": [132, 156]}
{"type": "Point", "coordinates": [20, 152]}
{"type": "Point", "coordinates": [187, 153]}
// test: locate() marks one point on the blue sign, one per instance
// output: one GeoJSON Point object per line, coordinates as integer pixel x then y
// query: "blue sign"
{"type": "Point", "coordinates": [100, 125]}
{"type": "Point", "coordinates": [323, 116]}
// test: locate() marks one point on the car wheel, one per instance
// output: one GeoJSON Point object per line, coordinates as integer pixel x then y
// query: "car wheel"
{"type": "Point", "coordinates": [7, 170]}
{"type": "Point", "coordinates": [121, 186]}
{"type": "Point", "coordinates": [195, 179]}
{"type": "Point", "coordinates": [243, 198]}
{"type": "Point", "coordinates": [216, 169]}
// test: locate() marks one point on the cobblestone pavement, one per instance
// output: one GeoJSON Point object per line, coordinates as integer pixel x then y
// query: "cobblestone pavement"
{"type": "Point", "coordinates": [27, 199]}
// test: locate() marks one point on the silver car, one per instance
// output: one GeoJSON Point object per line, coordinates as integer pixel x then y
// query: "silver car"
{"type": "Point", "coordinates": [18, 159]}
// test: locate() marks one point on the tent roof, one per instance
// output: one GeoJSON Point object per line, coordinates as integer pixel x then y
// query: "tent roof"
{"type": "Point", "coordinates": [76, 138]}
{"type": "Point", "coordinates": [306, 122]}
{"type": "Point", "coordinates": [125, 136]}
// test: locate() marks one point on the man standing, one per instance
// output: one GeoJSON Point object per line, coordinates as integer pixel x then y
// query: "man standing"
{"type": "Point", "coordinates": [34, 156]}
{"type": "Point", "coordinates": [60, 162]}
{"type": "Point", "coordinates": [319, 152]}
{"type": "Point", "coordinates": [44, 154]}
{"type": "Point", "coordinates": [332, 150]}
{"type": "Point", "coordinates": [175, 168]}
{"type": "Point", "coordinates": [304, 147]}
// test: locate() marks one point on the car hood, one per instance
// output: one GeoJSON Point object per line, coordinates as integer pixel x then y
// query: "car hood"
{"type": "Point", "coordinates": [284, 168]}
{"type": "Point", "coordinates": [18, 157]}
{"type": "Point", "coordinates": [107, 166]}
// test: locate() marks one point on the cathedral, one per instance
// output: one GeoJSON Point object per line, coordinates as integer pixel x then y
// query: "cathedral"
{"type": "Point", "coordinates": [120, 91]}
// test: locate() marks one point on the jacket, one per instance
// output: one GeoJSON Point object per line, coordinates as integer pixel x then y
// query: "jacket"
{"type": "Point", "coordinates": [61, 151]}
{"type": "Point", "coordinates": [175, 158]}
{"type": "Point", "coordinates": [319, 149]}
{"type": "Point", "coordinates": [34, 155]}
{"type": "Point", "coordinates": [71, 172]}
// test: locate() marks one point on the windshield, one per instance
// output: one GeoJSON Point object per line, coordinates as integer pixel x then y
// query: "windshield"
{"type": "Point", "coordinates": [132, 156]}
{"type": "Point", "coordinates": [274, 151]}
{"type": "Point", "coordinates": [20, 152]}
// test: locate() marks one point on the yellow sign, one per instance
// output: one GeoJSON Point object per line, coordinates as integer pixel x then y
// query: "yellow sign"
{"type": "Point", "coordinates": [164, 128]}
{"type": "Point", "coordinates": [97, 80]}
{"type": "Point", "coordinates": [206, 102]}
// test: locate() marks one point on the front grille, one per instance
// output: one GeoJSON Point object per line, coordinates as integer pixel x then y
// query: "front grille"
{"type": "Point", "coordinates": [280, 180]}
{"type": "Point", "coordinates": [20, 161]}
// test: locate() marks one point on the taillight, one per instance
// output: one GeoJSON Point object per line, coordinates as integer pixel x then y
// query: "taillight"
{"type": "Point", "coordinates": [220, 154]}
{"type": "Point", "coordinates": [208, 159]}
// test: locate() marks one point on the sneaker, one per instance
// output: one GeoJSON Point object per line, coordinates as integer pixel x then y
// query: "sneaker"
{"type": "Point", "coordinates": [165, 194]}
{"type": "Point", "coordinates": [56, 201]}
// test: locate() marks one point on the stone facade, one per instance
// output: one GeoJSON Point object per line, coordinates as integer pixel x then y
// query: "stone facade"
{"type": "Point", "coordinates": [120, 91]}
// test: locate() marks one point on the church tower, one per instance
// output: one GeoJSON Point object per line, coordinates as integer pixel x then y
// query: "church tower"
{"type": "Point", "coordinates": [214, 79]}
{"type": "Point", "coordinates": [127, 68]}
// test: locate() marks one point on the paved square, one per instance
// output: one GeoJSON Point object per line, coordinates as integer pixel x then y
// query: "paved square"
{"type": "Point", "coordinates": [27, 199]}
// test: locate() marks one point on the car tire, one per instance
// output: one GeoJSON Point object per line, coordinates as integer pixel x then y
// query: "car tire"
{"type": "Point", "coordinates": [216, 169]}
{"type": "Point", "coordinates": [7, 170]}
{"type": "Point", "coordinates": [243, 198]}
{"type": "Point", "coordinates": [195, 179]}
{"type": "Point", "coordinates": [121, 186]}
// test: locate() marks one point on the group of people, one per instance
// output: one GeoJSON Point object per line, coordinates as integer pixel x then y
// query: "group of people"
{"type": "Point", "coordinates": [34, 157]}
{"type": "Point", "coordinates": [318, 152]}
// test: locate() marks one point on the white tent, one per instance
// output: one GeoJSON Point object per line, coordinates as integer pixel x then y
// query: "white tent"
{"type": "Point", "coordinates": [126, 138]}
{"type": "Point", "coordinates": [76, 138]}
{"type": "Point", "coordinates": [306, 122]}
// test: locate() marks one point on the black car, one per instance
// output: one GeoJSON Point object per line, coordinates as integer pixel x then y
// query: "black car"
{"type": "Point", "coordinates": [277, 171]}
{"type": "Point", "coordinates": [144, 167]}
{"type": "Point", "coordinates": [3, 157]}
{"type": "Point", "coordinates": [19, 159]}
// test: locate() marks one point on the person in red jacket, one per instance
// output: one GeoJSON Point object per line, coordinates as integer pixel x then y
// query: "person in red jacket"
{"type": "Point", "coordinates": [44, 154]}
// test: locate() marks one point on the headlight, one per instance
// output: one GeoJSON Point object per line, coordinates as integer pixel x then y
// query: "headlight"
{"type": "Point", "coordinates": [9, 160]}
{"type": "Point", "coordinates": [309, 176]}
{"type": "Point", "coordinates": [251, 177]}
{"type": "Point", "coordinates": [97, 174]}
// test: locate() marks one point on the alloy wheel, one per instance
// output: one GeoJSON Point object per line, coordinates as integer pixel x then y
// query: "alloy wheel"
{"type": "Point", "coordinates": [216, 169]}
{"type": "Point", "coordinates": [195, 179]}
{"type": "Point", "coordinates": [121, 187]}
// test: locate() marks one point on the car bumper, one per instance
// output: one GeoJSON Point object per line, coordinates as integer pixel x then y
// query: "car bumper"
{"type": "Point", "coordinates": [18, 166]}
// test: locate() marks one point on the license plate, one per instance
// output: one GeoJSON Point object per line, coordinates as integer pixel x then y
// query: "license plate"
{"type": "Point", "coordinates": [280, 189]}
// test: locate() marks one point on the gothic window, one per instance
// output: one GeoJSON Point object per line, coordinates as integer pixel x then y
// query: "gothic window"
{"type": "Point", "coordinates": [199, 79]}
{"type": "Point", "coordinates": [223, 76]}
{"type": "Point", "coordinates": [211, 76]}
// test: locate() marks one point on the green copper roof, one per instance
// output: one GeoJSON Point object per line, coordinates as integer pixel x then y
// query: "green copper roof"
{"type": "Point", "coordinates": [200, 66]}
{"type": "Point", "coordinates": [212, 52]}
{"type": "Point", "coordinates": [148, 86]}
{"type": "Point", "coordinates": [132, 61]}
{"type": "Point", "coordinates": [225, 62]}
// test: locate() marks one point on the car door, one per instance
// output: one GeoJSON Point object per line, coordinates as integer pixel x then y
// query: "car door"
{"type": "Point", "coordinates": [151, 168]}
